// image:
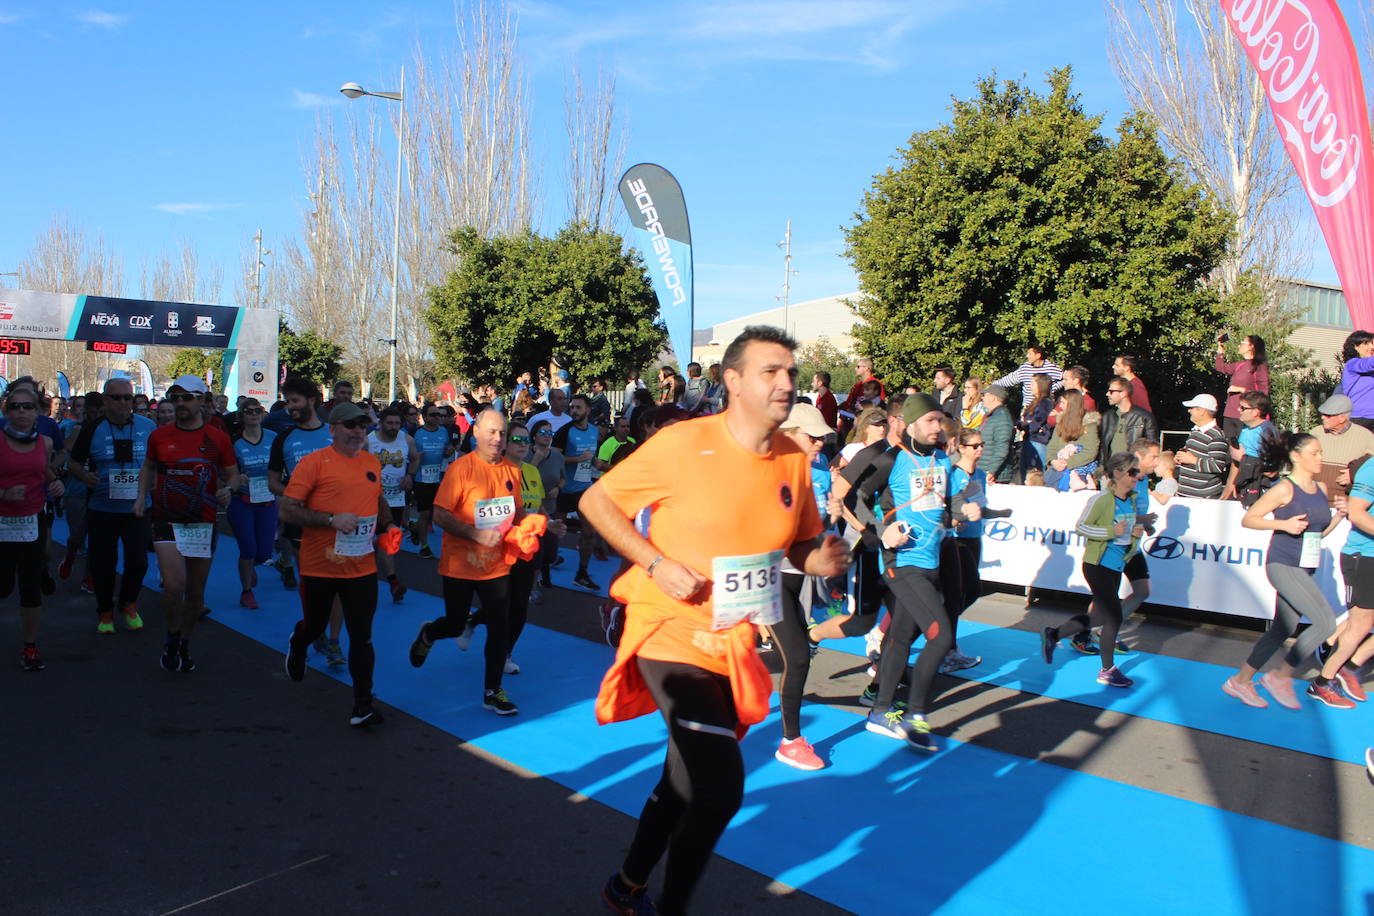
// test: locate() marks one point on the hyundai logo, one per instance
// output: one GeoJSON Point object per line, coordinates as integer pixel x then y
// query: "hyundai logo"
{"type": "Point", "coordinates": [1000, 530]}
{"type": "Point", "coordinates": [1164, 548]}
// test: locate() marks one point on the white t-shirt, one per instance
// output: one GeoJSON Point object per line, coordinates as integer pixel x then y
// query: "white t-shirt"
{"type": "Point", "coordinates": [555, 422]}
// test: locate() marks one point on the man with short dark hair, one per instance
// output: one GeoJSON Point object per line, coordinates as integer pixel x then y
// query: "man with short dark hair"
{"type": "Point", "coordinates": [825, 398]}
{"type": "Point", "coordinates": [1205, 458]}
{"type": "Point", "coordinates": [696, 388]}
{"type": "Point", "coordinates": [578, 441]}
{"type": "Point", "coordinates": [1124, 421]}
{"type": "Point", "coordinates": [557, 413]}
{"type": "Point", "coordinates": [1024, 375]}
{"type": "Point", "coordinates": [1076, 379]}
{"type": "Point", "coordinates": [947, 392]}
{"type": "Point", "coordinates": [342, 394]}
{"type": "Point", "coordinates": [1125, 366]}
{"type": "Point", "coordinates": [863, 369]}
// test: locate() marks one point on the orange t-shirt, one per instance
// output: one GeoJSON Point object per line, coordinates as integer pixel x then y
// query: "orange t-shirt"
{"type": "Point", "coordinates": [481, 495]}
{"type": "Point", "coordinates": [329, 481]}
{"type": "Point", "coordinates": [711, 498]}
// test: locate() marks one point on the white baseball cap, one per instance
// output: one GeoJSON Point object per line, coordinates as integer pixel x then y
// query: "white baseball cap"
{"type": "Point", "coordinates": [192, 383]}
{"type": "Point", "coordinates": [1205, 401]}
{"type": "Point", "coordinates": [809, 420]}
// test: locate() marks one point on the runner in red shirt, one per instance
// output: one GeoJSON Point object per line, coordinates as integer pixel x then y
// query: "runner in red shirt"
{"type": "Point", "coordinates": [190, 471]}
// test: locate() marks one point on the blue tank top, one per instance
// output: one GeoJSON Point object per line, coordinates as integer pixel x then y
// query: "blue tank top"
{"type": "Point", "coordinates": [1285, 549]}
{"type": "Point", "coordinates": [431, 445]}
{"type": "Point", "coordinates": [919, 488]}
{"type": "Point", "coordinates": [253, 458]}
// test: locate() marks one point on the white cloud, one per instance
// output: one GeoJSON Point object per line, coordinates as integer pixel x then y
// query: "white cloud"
{"type": "Point", "coordinates": [300, 99]}
{"type": "Point", "coordinates": [102, 19]}
{"type": "Point", "coordinates": [9, 18]}
{"type": "Point", "coordinates": [185, 209]}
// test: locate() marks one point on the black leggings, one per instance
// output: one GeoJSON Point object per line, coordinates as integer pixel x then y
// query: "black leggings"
{"type": "Point", "coordinates": [868, 593]}
{"type": "Point", "coordinates": [27, 562]}
{"type": "Point", "coordinates": [106, 531]}
{"type": "Point", "coordinates": [918, 608]}
{"type": "Point", "coordinates": [358, 598]}
{"type": "Point", "coordinates": [521, 584]}
{"type": "Point", "coordinates": [702, 783]}
{"type": "Point", "coordinates": [495, 595]}
{"type": "Point", "coordinates": [1104, 583]}
{"type": "Point", "coordinates": [790, 639]}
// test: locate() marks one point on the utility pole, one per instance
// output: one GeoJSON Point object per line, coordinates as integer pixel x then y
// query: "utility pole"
{"type": "Point", "coordinates": [787, 272]}
{"type": "Point", "coordinates": [257, 294]}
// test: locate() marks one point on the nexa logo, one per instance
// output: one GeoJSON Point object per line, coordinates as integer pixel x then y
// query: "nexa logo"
{"type": "Point", "coordinates": [105, 319]}
{"type": "Point", "coordinates": [1000, 530]}
{"type": "Point", "coordinates": [141, 321]}
{"type": "Point", "coordinates": [1164, 548]}
{"type": "Point", "coordinates": [671, 277]}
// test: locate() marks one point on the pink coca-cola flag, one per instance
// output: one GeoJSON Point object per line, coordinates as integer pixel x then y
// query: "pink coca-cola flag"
{"type": "Point", "coordinates": [1306, 60]}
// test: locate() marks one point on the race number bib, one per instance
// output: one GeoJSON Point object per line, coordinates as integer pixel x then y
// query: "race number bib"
{"type": "Point", "coordinates": [429, 473]}
{"type": "Point", "coordinates": [583, 474]}
{"type": "Point", "coordinates": [927, 489]}
{"type": "Point", "coordinates": [746, 588]}
{"type": "Point", "coordinates": [258, 490]}
{"type": "Point", "coordinates": [359, 543]}
{"type": "Point", "coordinates": [193, 539]}
{"type": "Point", "coordinates": [395, 496]}
{"type": "Point", "coordinates": [1124, 540]}
{"type": "Point", "coordinates": [1311, 556]}
{"type": "Point", "coordinates": [21, 529]}
{"type": "Point", "coordinates": [494, 513]}
{"type": "Point", "coordinates": [123, 484]}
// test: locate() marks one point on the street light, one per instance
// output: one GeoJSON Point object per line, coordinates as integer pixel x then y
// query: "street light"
{"type": "Point", "coordinates": [354, 91]}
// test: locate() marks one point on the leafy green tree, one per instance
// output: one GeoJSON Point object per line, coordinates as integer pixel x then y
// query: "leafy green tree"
{"type": "Point", "coordinates": [308, 355]}
{"type": "Point", "coordinates": [194, 361]}
{"type": "Point", "coordinates": [1019, 222]}
{"type": "Point", "coordinates": [823, 356]}
{"type": "Point", "coordinates": [515, 300]}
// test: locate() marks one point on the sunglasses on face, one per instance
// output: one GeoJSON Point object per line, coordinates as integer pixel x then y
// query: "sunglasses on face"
{"type": "Point", "coordinates": [21, 405]}
{"type": "Point", "coordinates": [973, 445]}
{"type": "Point", "coordinates": [544, 432]}
{"type": "Point", "coordinates": [355, 423]}
{"type": "Point", "coordinates": [119, 397]}
{"type": "Point", "coordinates": [181, 396]}
{"type": "Point", "coordinates": [1134, 472]}
{"type": "Point", "coordinates": [519, 440]}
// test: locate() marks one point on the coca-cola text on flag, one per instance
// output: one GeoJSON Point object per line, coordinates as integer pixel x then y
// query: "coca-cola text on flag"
{"type": "Point", "coordinates": [1306, 60]}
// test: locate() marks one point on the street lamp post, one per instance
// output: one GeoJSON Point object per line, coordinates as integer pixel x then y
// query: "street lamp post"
{"type": "Point", "coordinates": [354, 91]}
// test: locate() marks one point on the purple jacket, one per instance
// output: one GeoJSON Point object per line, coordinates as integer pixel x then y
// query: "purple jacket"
{"type": "Point", "coordinates": [1357, 383]}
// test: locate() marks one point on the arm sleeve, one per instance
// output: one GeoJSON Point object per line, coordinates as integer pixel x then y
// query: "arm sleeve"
{"type": "Point", "coordinates": [1011, 378]}
{"type": "Point", "coordinates": [228, 458]}
{"type": "Point", "coordinates": [1091, 445]}
{"type": "Point", "coordinates": [276, 461]}
{"type": "Point", "coordinates": [1093, 532]}
{"type": "Point", "coordinates": [81, 450]}
{"type": "Point", "coordinates": [873, 484]}
{"type": "Point", "coordinates": [1224, 367]}
{"type": "Point", "coordinates": [995, 446]}
{"type": "Point", "coordinates": [560, 439]}
{"type": "Point", "coordinates": [1151, 430]}
{"type": "Point", "coordinates": [1216, 459]}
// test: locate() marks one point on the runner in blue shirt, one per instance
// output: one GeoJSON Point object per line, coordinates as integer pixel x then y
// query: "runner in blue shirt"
{"type": "Point", "coordinates": [253, 510]}
{"type": "Point", "coordinates": [579, 440]}
{"type": "Point", "coordinates": [912, 485]}
{"type": "Point", "coordinates": [436, 446]}
{"type": "Point", "coordinates": [106, 458]}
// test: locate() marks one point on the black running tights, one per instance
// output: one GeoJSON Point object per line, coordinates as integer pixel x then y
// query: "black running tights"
{"type": "Point", "coordinates": [702, 783]}
{"type": "Point", "coordinates": [791, 641]}
{"type": "Point", "coordinates": [1104, 583]}
{"type": "Point", "coordinates": [495, 595]}
{"type": "Point", "coordinates": [358, 598]}
{"type": "Point", "coordinates": [919, 608]}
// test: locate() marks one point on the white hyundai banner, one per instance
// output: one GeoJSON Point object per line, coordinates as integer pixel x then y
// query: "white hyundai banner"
{"type": "Point", "coordinates": [1199, 556]}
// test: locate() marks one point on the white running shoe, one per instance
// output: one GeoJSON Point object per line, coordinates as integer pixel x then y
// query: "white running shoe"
{"type": "Point", "coordinates": [465, 640]}
{"type": "Point", "coordinates": [511, 666]}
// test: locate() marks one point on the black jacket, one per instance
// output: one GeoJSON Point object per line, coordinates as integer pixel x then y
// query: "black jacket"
{"type": "Point", "coordinates": [1139, 423]}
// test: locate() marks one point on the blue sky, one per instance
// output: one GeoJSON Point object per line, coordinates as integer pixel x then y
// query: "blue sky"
{"type": "Point", "coordinates": [155, 123]}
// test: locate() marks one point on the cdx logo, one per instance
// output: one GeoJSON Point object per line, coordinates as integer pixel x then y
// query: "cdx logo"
{"type": "Point", "coordinates": [141, 321]}
{"type": "Point", "coordinates": [1164, 548]}
{"type": "Point", "coordinates": [1000, 530]}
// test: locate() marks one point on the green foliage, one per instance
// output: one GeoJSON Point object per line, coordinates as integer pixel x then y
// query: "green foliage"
{"type": "Point", "coordinates": [823, 356]}
{"type": "Point", "coordinates": [1019, 223]}
{"type": "Point", "coordinates": [515, 300]}
{"type": "Point", "coordinates": [308, 355]}
{"type": "Point", "coordinates": [194, 361]}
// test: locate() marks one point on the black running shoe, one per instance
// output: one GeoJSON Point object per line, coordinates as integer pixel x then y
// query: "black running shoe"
{"type": "Point", "coordinates": [295, 662]}
{"type": "Point", "coordinates": [168, 660]}
{"type": "Point", "coordinates": [49, 585]}
{"type": "Point", "coordinates": [1048, 640]}
{"type": "Point", "coordinates": [419, 649]}
{"type": "Point", "coordinates": [398, 591]}
{"type": "Point", "coordinates": [184, 663]}
{"type": "Point", "coordinates": [499, 703]}
{"type": "Point", "coordinates": [426, 553]}
{"type": "Point", "coordinates": [585, 581]}
{"type": "Point", "coordinates": [30, 661]}
{"type": "Point", "coordinates": [288, 578]}
{"type": "Point", "coordinates": [626, 903]}
{"type": "Point", "coordinates": [364, 715]}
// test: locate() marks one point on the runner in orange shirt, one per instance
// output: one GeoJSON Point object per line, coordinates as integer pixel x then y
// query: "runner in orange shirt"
{"type": "Point", "coordinates": [477, 503]}
{"type": "Point", "coordinates": [335, 497]}
{"type": "Point", "coordinates": [730, 496]}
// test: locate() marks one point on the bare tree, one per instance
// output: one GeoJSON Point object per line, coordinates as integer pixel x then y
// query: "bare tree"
{"type": "Point", "coordinates": [65, 259]}
{"type": "Point", "coordinates": [1191, 75]}
{"type": "Point", "coordinates": [177, 278]}
{"type": "Point", "coordinates": [596, 150]}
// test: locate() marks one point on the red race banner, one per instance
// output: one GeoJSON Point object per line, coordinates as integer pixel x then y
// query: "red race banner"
{"type": "Point", "coordinates": [1306, 60]}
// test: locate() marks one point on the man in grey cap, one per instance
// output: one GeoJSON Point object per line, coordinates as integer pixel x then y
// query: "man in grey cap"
{"type": "Point", "coordinates": [1342, 441]}
{"type": "Point", "coordinates": [997, 430]}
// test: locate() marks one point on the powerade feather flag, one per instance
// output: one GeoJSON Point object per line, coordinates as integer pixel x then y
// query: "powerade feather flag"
{"type": "Point", "coordinates": [658, 214]}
